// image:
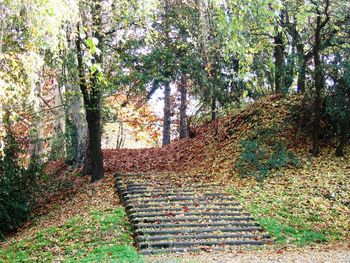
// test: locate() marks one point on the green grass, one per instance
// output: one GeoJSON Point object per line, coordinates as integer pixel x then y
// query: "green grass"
{"type": "Point", "coordinates": [102, 236]}
{"type": "Point", "coordinates": [284, 233]}
{"type": "Point", "coordinates": [275, 215]}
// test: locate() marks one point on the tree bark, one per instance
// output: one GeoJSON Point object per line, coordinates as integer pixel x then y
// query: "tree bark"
{"type": "Point", "coordinates": [167, 114]}
{"type": "Point", "coordinates": [318, 79]}
{"type": "Point", "coordinates": [343, 138]}
{"type": "Point", "coordinates": [213, 108]}
{"type": "Point", "coordinates": [92, 103]}
{"type": "Point", "coordinates": [183, 107]}
{"type": "Point", "coordinates": [318, 88]}
{"type": "Point", "coordinates": [279, 63]}
{"type": "Point", "coordinates": [36, 130]}
{"type": "Point", "coordinates": [302, 63]}
{"type": "Point", "coordinates": [77, 115]}
{"type": "Point", "coordinates": [93, 117]}
{"type": "Point", "coordinates": [58, 149]}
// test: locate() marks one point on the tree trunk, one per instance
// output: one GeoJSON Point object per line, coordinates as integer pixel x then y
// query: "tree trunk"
{"type": "Point", "coordinates": [213, 108]}
{"type": "Point", "coordinates": [93, 117]}
{"type": "Point", "coordinates": [343, 138]}
{"type": "Point", "coordinates": [318, 89]}
{"type": "Point", "coordinates": [301, 68]}
{"type": "Point", "coordinates": [318, 77]}
{"type": "Point", "coordinates": [92, 103]}
{"type": "Point", "coordinates": [58, 149]}
{"type": "Point", "coordinates": [36, 130]}
{"type": "Point", "coordinates": [183, 107]}
{"type": "Point", "coordinates": [279, 63]}
{"type": "Point", "coordinates": [76, 125]}
{"type": "Point", "coordinates": [79, 118]}
{"type": "Point", "coordinates": [167, 114]}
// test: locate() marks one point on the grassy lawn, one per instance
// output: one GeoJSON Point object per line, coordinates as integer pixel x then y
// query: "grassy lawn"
{"type": "Point", "coordinates": [304, 206]}
{"type": "Point", "coordinates": [99, 237]}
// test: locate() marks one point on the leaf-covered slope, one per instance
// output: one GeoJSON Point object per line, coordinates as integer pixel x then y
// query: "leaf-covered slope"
{"type": "Point", "coordinates": [216, 145]}
{"type": "Point", "coordinates": [301, 205]}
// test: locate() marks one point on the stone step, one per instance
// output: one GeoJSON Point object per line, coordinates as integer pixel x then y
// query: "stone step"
{"type": "Point", "coordinates": [169, 218]}
{"type": "Point", "coordinates": [174, 204]}
{"type": "Point", "coordinates": [181, 212]}
{"type": "Point", "coordinates": [183, 209]}
{"type": "Point", "coordinates": [194, 237]}
{"type": "Point", "coordinates": [146, 191]}
{"type": "Point", "coordinates": [179, 244]}
{"type": "Point", "coordinates": [163, 195]}
{"type": "Point", "coordinates": [189, 219]}
{"type": "Point", "coordinates": [188, 225]}
{"type": "Point", "coordinates": [165, 231]}
{"type": "Point", "coordinates": [169, 251]}
{"type": "Point", "coordinates": [142, 186]}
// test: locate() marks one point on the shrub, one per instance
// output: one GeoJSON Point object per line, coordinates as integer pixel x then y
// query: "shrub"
{"type": "Point", "coordinates": [16, 186]}
{"type": "Point", "coordinates": [258, 159]}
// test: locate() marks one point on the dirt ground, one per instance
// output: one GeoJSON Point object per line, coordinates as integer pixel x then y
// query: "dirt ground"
{"type": "Point", "coordinates": [339, 252]}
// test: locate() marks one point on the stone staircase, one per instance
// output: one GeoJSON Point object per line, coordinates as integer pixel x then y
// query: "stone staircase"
{"type": "Point", "coordinates": [167, 217]}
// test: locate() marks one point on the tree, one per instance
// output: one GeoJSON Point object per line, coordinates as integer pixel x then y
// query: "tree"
{"type": "Point", "coordinates": [90, 87]}
{"type": "Point", "coordinates": [183, 106]}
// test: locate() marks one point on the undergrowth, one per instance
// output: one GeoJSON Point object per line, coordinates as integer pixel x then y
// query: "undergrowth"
{"type": "Point", "coordinates": [102, 236]}
{"type": "Point", "coordinates": [257, 159]}
{"type": "Point", "coordinates": [262, 153]}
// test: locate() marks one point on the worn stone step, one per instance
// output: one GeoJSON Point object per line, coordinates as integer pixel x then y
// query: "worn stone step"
{"type": "Point", "coordinates": [201, 236]}
{"type": "Point", "coordinates": [175, 192]}
{"type": "Point", "coordinates": [188, 225]}
{"type": "Point", "coordinates": [166, 186]}
{"type": "Point", "coordinates": [152, 191]}
{"type": "Point", "coordinates": [130, 205]}
{"type": "Point", "coordinates": [145, 245]}
{"type": "Point", "coordinates": [176, 199]}
{"type": "Point", "coordinates": [164, 195]}
{"type": "Point", "coordinates": [183, 209]}
{"type": "Point", "coordinates": [167, 217]}
{"type": "Point", "coordinates": [165, 231]}
{"type": "Point", "coordinates": [169, 251]}
{"type": "Point", "coordinates": [137, 189]}
{"type": "Point", "coordinates": [189, 219]}
{"type": "Point", "coordinates": [181, 212]}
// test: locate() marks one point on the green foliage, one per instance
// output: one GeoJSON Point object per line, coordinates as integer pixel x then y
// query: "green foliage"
{"type": "Point", "coordinates": [71, 140]}
{"type": "Point", "coordinates": [16, 187]}
{"type": "Point", "coordinates": [100, 236]}
{"type": "Point", "coordinates": [57, 146]}
{"type": "Point", "coordinates": [260, 156]}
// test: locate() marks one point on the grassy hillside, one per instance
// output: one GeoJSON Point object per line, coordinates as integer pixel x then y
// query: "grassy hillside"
{"type": "Point", "coordinates": [88, 225]}
{"type": "Point", "coordinates": [299, 198]}
{"type": "Point", "coordinates": [299, 203]}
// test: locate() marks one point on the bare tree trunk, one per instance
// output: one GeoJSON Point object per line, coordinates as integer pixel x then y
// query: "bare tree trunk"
{"type": "Point", "coordinates": [301, 68]}
{"type": "Point", "coordinates": [213, 108]}
{"type": "Point", "coordinates": [92, 102]}
{"type": "Point", "coordinates": [317, 106]}
{"type": "Point", "coordinates": [318, 79]}
{"type": "Point", "coordinates": [93, 118]}
{"type": "Point", "coordinates": [279, 63]}
{"type": "Point", "coordinates": [167, 114]}
{"type": "Point", "coordinates": [77, 114]}
{"type": "Point", "coordinates": [343, 138]}
{"type": "Point", "coordinates": [183, 107]}
{"type": "Point", "coordinates": [58, 148]}
{"type": "Point", "coordinates": [36, 130]}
